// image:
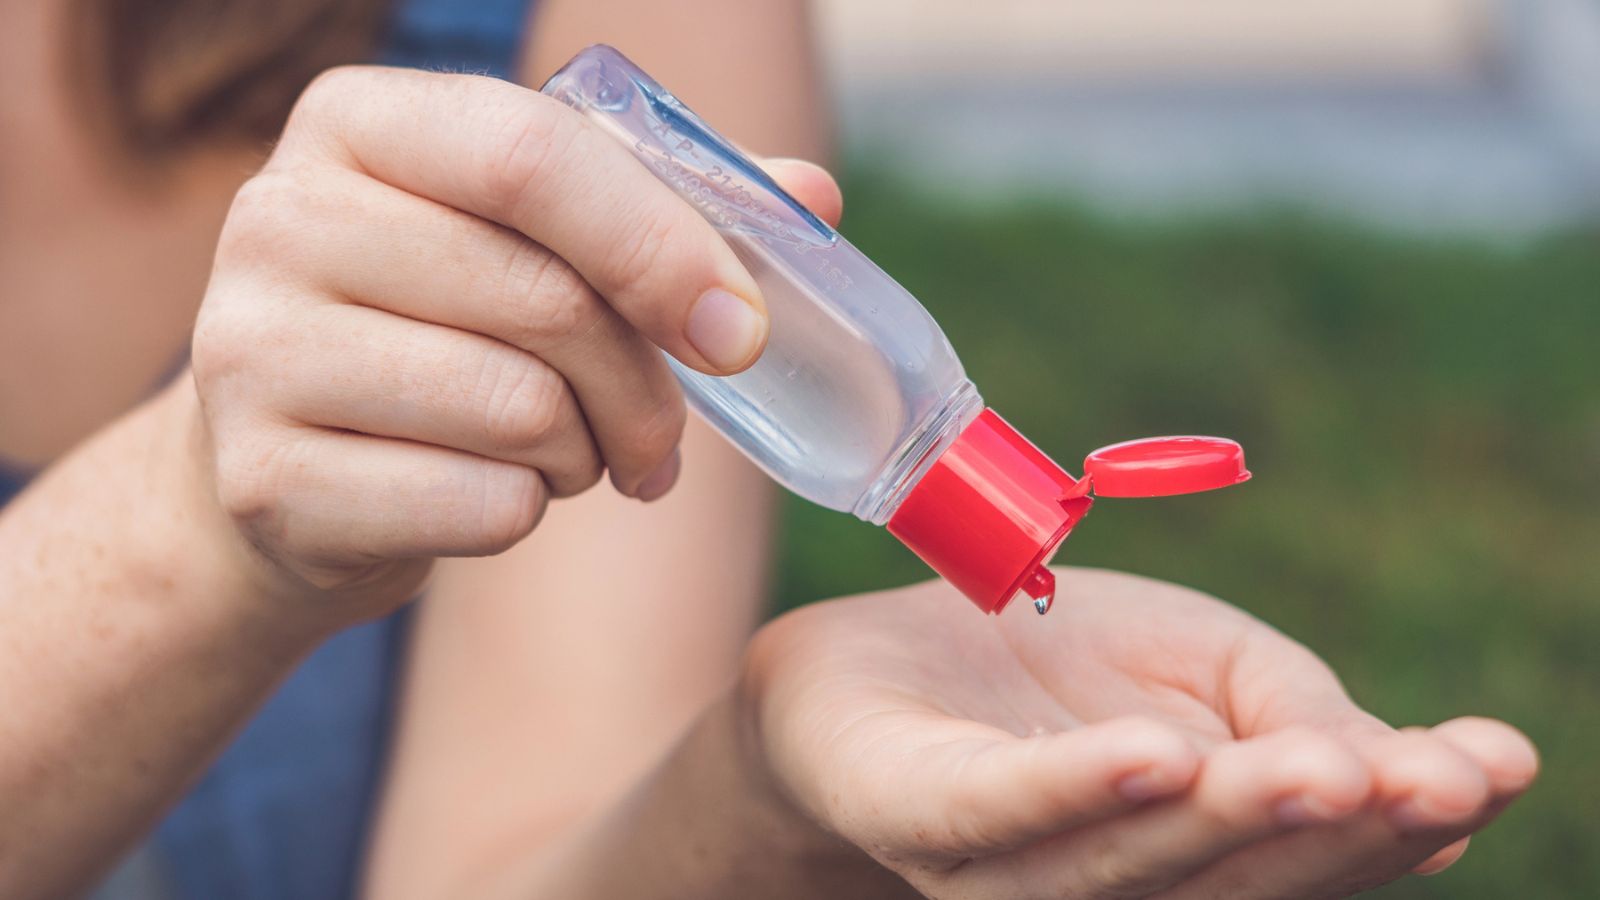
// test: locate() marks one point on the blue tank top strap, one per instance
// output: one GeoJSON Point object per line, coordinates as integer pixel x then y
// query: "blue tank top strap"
{"type": "Point", "coordinates": [11, 484]}
{"type": "Point", "coordinates": [283, 813]}
{"type": "Point", "coordinates": [482, 36]}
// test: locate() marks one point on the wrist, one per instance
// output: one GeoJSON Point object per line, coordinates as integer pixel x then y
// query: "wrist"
{"type": "Point", "coordinates": [192, 536]}
{"type": "Point", "coordinates": [709, 822]}
{"type": "Point", "coordinates": [779, 827]}
{"type": "Point", "coordinates": [254, 584]}
{"type": "Point", "coordinates": [785, 826]}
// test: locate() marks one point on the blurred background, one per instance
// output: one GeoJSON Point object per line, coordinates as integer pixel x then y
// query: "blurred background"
{"type": "Point", "coordinates": [1363, 238]}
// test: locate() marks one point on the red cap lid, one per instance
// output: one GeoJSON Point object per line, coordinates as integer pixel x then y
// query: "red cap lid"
{"type": "Point", "coordinates": [992, 510]}
{"type": "Point", "coordinates": [989, 514]}
{"type": "Point", "coordinates": [1160, 467]}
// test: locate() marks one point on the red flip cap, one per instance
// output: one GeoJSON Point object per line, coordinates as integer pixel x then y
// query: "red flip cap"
{"type": "Point", "coordinates": [991, 511]}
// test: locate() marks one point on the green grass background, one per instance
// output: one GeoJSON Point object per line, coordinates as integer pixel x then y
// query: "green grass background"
{"type": "Point", "coordinates": [1423, 419]}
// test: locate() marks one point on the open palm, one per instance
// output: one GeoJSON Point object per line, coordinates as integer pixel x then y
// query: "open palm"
{"type": "Point", "coordinates": [1142, 740]}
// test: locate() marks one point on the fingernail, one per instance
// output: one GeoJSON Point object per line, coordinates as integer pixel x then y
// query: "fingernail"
{"type": "Point", "coordinates": [1434, 868]}
{"type": "Point", "coordinates": [657, 483]}
{"type": "Point", "coordinates": [726, 330]}
{"type": "Point", "coordinates": [1303, 810]}
{"type": "Point", "coordinates": [1444, 859]}
{"type": "Point", "coordinates": [1147, 785]}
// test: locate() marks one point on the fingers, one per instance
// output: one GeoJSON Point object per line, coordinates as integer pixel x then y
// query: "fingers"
{"type": "Point", "coordinates": [1245, 792]}
{"type": "Point", "coordinates": [1425, 782]}
{"type": "Point", "coordinates": [443, 329]}
{"type": "Point", "coordinates": [368, 371]}
{"type": "Point", "coordinates": [1509, 763]}
{"type": "Point", "coordinates": [309, 494]}
{"type": "Point", "coordinates": [1508, 759]}
{"type": "Point", "coordinates": [1275, 683]}
{"type": "Point", "coordinates": [1012, 792]}
{"type": "Point", "coordinates": [376, 245]}
{"type": "Point", "coordinates": [1459, 775]}
{"type": "Point", "coordinates": [521, 159]}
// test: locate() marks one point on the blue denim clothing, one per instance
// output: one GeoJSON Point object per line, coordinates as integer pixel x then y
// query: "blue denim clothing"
{"type": "Point", "coordinates": [11, 484]}
{"type": "Point", "coordinates": [482, 36]}
{"type": "Point", "coordinates": [283, 813]}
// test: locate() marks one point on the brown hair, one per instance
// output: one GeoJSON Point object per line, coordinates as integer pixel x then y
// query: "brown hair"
{"type": "Point", "coordinates": [168, 74]}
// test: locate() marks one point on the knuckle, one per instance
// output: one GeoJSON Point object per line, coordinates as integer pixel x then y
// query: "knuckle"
{"type": "Point", "coordinates": [251, 209]}
{"type": "Point", "coordinates": [250, 477]}
{"type": "Point", "coordinates": [216, 350]}
{"type": "Point", "coordinates": [232, 352]}
{"type": "Point", "coordinates": [320, 120]}
{"type": "Point", "coordinates": [513, 500]}
{"type": "Point", "coordinates": [268, 216]}
{"type": "Point", "coordinates": [548, 302]}
{"type": "Point", "coordinates": [326, 94]}
{"type": "Point", "coordinates": [255, 196]}
{"type": "Point", "coordinates": [660, 253]}
{"type": "Point", "coordinates": [581, 474]}
{"type": "Point", "coordinates": [653, 437]}
{"type": "Point", "coordinates": [524, 159]}
{"type": "Point", "coordinates": [241, 492]}
{"type": "Point", "coordinates": [521, 400]}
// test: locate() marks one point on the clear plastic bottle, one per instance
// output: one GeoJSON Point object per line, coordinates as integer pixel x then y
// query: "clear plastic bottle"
{"type": "Point", "coordinates": [857, 382]}
{"type": "Point", "coordinates": [858, 395]}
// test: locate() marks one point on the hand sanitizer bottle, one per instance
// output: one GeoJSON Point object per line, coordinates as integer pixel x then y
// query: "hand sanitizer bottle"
{"type": "Point", "coordinates": [858, 402]}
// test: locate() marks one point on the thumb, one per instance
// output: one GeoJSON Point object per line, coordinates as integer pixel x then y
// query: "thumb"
{"type": "Point", "coordinates": [981, 795]}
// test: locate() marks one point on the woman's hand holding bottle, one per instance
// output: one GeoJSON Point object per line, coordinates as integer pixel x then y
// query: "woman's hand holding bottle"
{"type": "Point", "coordinates": [440, 305]}
{"type": "Point", "coordinates": [437, 307]}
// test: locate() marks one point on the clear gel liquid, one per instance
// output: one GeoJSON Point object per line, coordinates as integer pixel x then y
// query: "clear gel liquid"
{"type": "Point", "coordinates": [858, 390]}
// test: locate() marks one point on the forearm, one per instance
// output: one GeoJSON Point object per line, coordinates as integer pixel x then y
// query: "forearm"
{"type": "Point", "coordinates": [131, 646]}
{"type": "Point", "coordinates": [707, 823]}
{"type": "Point", "coordinates": [543, 684]}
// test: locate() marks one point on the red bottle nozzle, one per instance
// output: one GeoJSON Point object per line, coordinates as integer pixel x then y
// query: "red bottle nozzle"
{"type": "Point", "coordinates": [991, 511]}
{"type": "Point", "coordinates": [989, 514]}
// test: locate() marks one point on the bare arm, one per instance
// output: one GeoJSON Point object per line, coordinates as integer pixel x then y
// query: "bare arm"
{"type": "Point", "coordinates": [545, 682]}
{"type": "Point", "coordinates": [343, 428]}
{"type": "Point", "coordinates": [132, 643]}
{"type": "Point", "coordinates": [749, 68]}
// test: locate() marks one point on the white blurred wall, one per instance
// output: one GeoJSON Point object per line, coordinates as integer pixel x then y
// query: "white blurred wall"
{"type": "Point", "coordinates": [1471, 114]}
{"type": "Point", "coordinates": [1358, 39]}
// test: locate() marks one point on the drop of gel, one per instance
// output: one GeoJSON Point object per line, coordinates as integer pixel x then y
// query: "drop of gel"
{"type": "Point", "coordinates": [1039, 587]}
